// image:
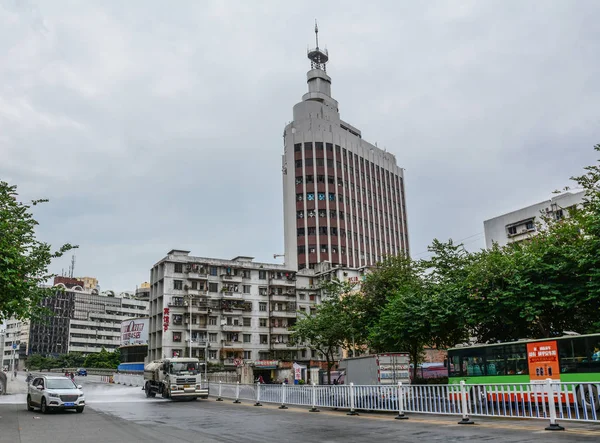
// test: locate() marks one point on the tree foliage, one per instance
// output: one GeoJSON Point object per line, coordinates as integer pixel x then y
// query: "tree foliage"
{"type": "Point", "coordinates": [541, 287]}
{"type": "Point", "coordinates": [24, 260]}
{"type": "Point", "coordinates": [335, 324]}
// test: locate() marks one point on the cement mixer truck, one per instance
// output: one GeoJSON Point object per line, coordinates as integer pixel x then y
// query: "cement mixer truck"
{"type": "Point", "coordinates": [175, 378]}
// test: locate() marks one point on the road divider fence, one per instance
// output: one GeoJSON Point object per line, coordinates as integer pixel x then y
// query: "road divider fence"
{"type": "Point", "coordinates": [548, 400]}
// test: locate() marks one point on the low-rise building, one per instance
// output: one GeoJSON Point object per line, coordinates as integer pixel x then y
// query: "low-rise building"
{"type": "Point", "coordinates": [523, 223]}
{"type": "Point", "coordinates": [236, 312]}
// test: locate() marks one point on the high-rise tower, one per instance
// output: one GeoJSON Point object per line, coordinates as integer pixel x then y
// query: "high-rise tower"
{"type": "Point", "coordinates": [343, 198]}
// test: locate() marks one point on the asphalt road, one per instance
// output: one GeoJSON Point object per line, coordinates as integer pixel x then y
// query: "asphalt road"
{"type": "Point", "coordinates": [117, 414]}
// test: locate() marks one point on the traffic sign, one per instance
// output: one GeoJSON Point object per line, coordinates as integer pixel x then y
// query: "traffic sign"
{"type": "Point", "coordinates": [237, 362]}
{"type": "Point", "coordinates": [14, 346]}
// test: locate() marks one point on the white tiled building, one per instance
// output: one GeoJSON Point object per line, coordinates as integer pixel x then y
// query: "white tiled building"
{"type": "Point", "coordinates": [521, 224]}
{"type": "Point", "coordinates": [241, 308]}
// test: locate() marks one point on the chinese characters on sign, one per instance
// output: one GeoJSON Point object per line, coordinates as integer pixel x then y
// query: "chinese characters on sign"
{"type": "Point", "coordinates": [165, 319]}
{"type": "Point", "coordinates": [543, 360]}
{"type": "Point", "coordinates": [134, 332]}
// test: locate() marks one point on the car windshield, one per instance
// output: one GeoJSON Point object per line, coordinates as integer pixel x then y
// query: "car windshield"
{"type": "Point", "coordinates": [60, 383]}
{"type": "Point", "coordinates": [184, 368]}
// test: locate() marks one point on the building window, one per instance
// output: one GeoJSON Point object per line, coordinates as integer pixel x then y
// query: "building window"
{"type": "Point", "coordinates": [212, 355]}
{"type": "Point", "coordinates": [263, 339]}
{"type": "Point", "coordinates": [213, 287]}
{"type": "Point", "coordinates": [319, 146]}
{"type": "Point", "coordinates": [301, 232]}
{"type": "Point", "coordinates": [310, 179]}
{"type": "Point", "coordinates": [320, 179]}
{"type": "Point", "coordinates": [176, 336]}
{"type": "Point", "coordinates": [299, 197]}
{"type": "Point", "coordinates": [301, 250]}
{"type": "Point", "coordinates": [178, 268]}
{"type": "Point", "coordinates": [194, 284]}
{"type": "Point", "coordinates": [320, 162]}
{"type": "Point", "coordinates": [307, 146]}
{"type": "Point", "coordinates": [247, 338]}
{"type": "Point", "coordinates": [298, 163]}
{"type": "Point", "coordinates": [262, 275]}
{"type": "Point", "coordinates": [213, 270]}
{"type": "Point", "coordinates": [312, 230]}
{"type": "Point", "coordinates": [512, 230]}
{"type": "Point", "coordinates": [312, 297]}
{"type": "Point", "coordinates": [321, 196]}
{"type": "Point", "coordinates": [212, 337]}
{"type": "Point", "coordinates": [262, 306]}
{"type": "Point", "coordinates": [246, 289]}
{"type": "Point", "coordinates": [530, 225]}
{"type": "Point", "coordinates": [303, 353]}
{"type": "Point", "coordinates": [247, 355]}
{"type": "Point", "coordinates": [302, 296]}
{"type": "Point", "coordinates": [297, 147]}
{"type": "Point", "coordinates": [262, 291]}
{"type": "Point", "coordinates": [331, 197]}
{"type": "Point", "coordinates": [262, 322]}
{"type": "Point", "coordinates": [247, 321]}
{"type": "Point", "coordinates": [310, 196]}
{"type": "Point", "coordinates": [212, 321]}
{"type": "Point", "coordinates": [308, 162]}
{"type": "Point", "coordinates": [178, 284]}
{"type": "Point", "coordinates": [299, 180]}
{"type": "Point", "coordinates": [323, 230]}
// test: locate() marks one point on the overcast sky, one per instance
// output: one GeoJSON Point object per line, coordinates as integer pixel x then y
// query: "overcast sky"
{"type": "Point", "coordinates": [143, 121]}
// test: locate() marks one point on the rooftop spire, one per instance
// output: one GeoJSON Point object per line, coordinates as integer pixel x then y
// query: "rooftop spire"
{"type": "Point", "coordinates": [318, 57]}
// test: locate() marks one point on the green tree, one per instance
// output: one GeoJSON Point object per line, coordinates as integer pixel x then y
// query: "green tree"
{"type": "Point", "coordinates": [332, 326]}
{"type": "Point", "coordinates": [390, 276]}
{"type": "Point", "coordinates": [24, 260]}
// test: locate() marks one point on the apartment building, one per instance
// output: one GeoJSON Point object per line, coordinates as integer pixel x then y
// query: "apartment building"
{"type": "Point", "coordinates": [14, 342]}
{"type": "Point", "coordinates": [238, 310]}
{"type": "Point", "coordinates": [523, 223]}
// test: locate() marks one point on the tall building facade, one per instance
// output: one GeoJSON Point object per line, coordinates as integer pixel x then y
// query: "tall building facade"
{"type": "Point", "coordinates": [83, 322]}
{"type": "Point", "coordinates": [344, 199]}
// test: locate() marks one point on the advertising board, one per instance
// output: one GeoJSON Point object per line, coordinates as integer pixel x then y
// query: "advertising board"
{"type": "Point", "coordinates": [134, 332]}
{"type": "Point", "coordinates": [543, 361]}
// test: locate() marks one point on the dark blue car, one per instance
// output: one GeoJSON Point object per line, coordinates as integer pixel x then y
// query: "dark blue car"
{"type": "Point", "coordinates": [82, 371]}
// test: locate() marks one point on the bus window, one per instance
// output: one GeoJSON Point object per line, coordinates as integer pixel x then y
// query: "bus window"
{"type": "Point", "coordinates": [475, 366]}
{"type": "Point", "coordinates": [454, 368]}
{"type": "Point", "coordinates": [572, 354]}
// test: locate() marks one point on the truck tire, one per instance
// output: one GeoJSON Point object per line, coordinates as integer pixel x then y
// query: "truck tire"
{"type": "Point", "coordinates": [149, 392]}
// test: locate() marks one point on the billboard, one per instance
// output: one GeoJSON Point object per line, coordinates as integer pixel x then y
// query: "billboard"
{"type": "Point", "coordinates": [134, 332]}
{"type": "Point", "coordinates": [543, 361]}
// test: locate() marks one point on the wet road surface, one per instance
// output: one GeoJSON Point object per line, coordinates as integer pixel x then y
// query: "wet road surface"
{"type": "Point", "coordinates": [123, 414]}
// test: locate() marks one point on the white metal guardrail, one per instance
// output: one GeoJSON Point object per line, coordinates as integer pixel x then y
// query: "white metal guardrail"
{"type": "Point", "coordinates": [548, 400]}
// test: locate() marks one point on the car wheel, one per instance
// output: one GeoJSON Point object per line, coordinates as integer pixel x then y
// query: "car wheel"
{"type": "Point", "coordinates": [44, 406]}
{"type": "Point", "coordinates": [80, 409]}
{"type": "Point", "coordinates": [148, 390]}
{"type": "Point", "coordinates": [29, 407]}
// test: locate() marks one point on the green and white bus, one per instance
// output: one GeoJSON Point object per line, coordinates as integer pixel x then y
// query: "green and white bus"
{"type": "Point", "coordinates": [573, 358]}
